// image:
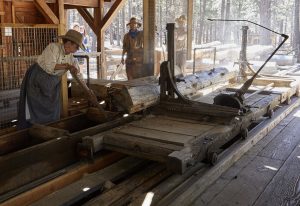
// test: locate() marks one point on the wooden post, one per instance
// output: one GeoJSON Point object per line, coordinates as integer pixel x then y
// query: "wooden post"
{"type": "Point", "coordinates": [13, 13]}
{"type": "Point", "coordinates": [2, 12]}
{"type": "Point", "coordinates": [149, 35]}
{"type": "Point", "coordinates": [189, 29]}
{"type": "Point", "coordinates": [243, 52]}
{"type": "Point", "coordinates": [64, 87]}
{"type": "Point", "coordinates": [104, 23]}
{"type": "Point", "coordinates": [98, 17]}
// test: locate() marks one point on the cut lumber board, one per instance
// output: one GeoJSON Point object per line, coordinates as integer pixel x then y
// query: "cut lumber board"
{"type": "Point", "coordinates": [147, 186]}
{"type": "Point", "coordinates": [127, 186]}
{"type": "Point", "coordinates": [72, 174]}
{"type": "Point", "coordinates": [139, 147]}
{"type": "Point", "coordinates": [160, 136]}
{"type": "Point", "coordinates": [168, 185]}
{"type": "Point", "coordinates": [172, 126]}
{"type": "Point", "coordinates": [91, 183]}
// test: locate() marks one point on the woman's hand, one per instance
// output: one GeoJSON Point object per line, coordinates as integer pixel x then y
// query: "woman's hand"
{"type": "Point", "coordinates": [73, 69]}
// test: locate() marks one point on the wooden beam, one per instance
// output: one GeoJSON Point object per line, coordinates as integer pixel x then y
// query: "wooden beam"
{"type": "Point", "coordinates": [87, 17]}
{"type": "Point", "coordinates": [51, 156]}
{"type": "Point", "coordinates": [105, 22]}
{"type": "Point", "coordinates": [73, 194]}
{"type": "Point", "coordinates": [61, 15]}
{"type": "Point", "coordinates": [13, 13]}
{"type": "Point", "coordinates": [64, 79]}
{"type": "Point", "coordinates": [47, 1]}
{"type": "Point", "coordinates": [113, 11]}
{"type": "Point", "coordinates": [2, 13]}
{"type": "Point", "coordinates": [46, 11]}
{"type": "Point", "coordinates": [85, 3]}
{"type": "Point", "coordinates": [189, 29]}
{"type": "Point", "coordinates": [98, 17]}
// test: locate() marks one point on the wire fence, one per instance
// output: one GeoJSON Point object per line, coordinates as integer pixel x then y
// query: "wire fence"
{"type": "Point", "coordinates": [19, 48]}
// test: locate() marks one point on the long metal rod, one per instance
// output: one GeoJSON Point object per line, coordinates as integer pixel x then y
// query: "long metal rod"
{"type": "Point", "coordinates": [248, 83]}
{"type": "Point", "coordinates": [210, 19]}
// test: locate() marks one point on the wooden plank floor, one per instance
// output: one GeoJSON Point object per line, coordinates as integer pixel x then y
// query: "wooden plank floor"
{"type": "Point", "coordinates": [268, 174]}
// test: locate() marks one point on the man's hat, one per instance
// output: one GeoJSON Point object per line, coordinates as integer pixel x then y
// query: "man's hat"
{"type": "Point", "coordinates": [75, 37]}
{"type": "Point", "coordinates": [135, 21]}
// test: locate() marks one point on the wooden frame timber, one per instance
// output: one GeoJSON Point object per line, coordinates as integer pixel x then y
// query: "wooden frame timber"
{"type": "Point", "coordinates": [189, 28]}
{"type": "Point", "coordinates": [180, 138]}
{"type": "Point", "coordinates": [88, 18]}
{"type": "Point", "coordinates": [52, 154]}
{"type": "Point", "coordinates": [46, 11]}
{"type": "Point", "coordinates": [2, 13]}
{"type": "Point", "coordinates": [71, 175]}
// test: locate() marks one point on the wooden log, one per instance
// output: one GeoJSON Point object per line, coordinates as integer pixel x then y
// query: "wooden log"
{"type": "Point", "coordinates": [139, 94]}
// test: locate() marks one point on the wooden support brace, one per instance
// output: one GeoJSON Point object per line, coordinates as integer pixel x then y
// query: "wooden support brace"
{"type": "Point", "coordinates": [87, 17]}
{"type": "Point", "coordinates": [46, 11]}
{"type": "Point", "coordinates": [109, 16]}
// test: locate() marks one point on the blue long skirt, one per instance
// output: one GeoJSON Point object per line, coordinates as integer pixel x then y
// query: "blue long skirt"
{"type": "Point", "coordinates": [42, 92]}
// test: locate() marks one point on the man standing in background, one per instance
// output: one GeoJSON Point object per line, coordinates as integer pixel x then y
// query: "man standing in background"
{"type": "Point", "coordinates": [133, 48]}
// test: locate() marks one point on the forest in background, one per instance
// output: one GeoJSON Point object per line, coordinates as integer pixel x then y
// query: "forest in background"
{"type": "Point", "coordinates": [279, 15]}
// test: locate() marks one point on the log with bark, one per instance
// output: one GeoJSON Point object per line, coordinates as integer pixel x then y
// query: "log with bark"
{"type": "Point", "coordinates": [138, 94]}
